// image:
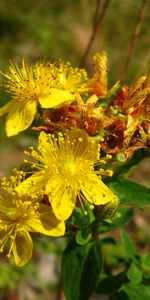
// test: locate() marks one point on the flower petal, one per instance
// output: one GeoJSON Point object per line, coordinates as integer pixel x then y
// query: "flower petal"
{"type": "Point", "coordinates": [20, 117]}
{"type": "Point", "coordinates": [34, 183]}
{"type": "Point", "coordinates": [95, 191]}
{"type": "Point", "coordinates": [56, 98]}
{"type": "Point", "coordinates": [7, 107]}
{"type": "Point", "coordinates": [62, 199]}
{"type": "Point", "coordinates": [22, 248]}
{"type": "Point", "coordinates": [83, 145]}
{"type": "Point", "coordinates": [47, 148]}
{"type": "Point", "coordinates": [46, 222]}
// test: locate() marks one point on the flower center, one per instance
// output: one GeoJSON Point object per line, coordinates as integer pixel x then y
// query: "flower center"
{"type": "Point", "coordinates": [67, 167]}
{"type": "Point", "coordinates": [13, 213]}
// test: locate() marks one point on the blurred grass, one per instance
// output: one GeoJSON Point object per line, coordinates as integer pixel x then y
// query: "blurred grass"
{"type": "Point", "coordinates": [61, 28]}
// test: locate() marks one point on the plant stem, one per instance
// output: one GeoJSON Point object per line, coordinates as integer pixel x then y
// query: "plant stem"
{"type": "Point", "coordinates": [134, 37]}
{"type": "Point", "coordinates": [60, 294]}
{"type": "Point", "coordinates": [97, 22]}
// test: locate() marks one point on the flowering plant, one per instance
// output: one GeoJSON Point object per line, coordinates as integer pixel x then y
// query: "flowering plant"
{"type": "Point", "coordinates": [75, 183]}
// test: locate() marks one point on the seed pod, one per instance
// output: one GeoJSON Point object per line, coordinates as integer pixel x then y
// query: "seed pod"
{"type": "Point", "coordinates": [108, 210]}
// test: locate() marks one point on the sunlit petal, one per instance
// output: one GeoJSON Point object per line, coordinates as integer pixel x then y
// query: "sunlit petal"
{"type": "Point", "coordinates": [20, 117]}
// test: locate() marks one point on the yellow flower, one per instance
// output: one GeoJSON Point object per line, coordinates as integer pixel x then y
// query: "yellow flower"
{"type": "Point", "coordinates": [30, 86]}
{"type": "Point", "coordinates": [71, 79]}
{"type": "Point", "coordinates": [137, 105]}
{"type": "Point", "coordinates": [65, 170]}
{"type": "Point", "coordinates": [20, 215]}
{"type": "Point", "coordinates": [138, 95]}
{"type": "Point", "coordinates": [98, 83]}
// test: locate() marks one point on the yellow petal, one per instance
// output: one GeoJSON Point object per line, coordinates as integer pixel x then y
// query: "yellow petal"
{"type": "Point", "coordinates": [95, 191]}
{"type": "Point", "coordinates": [62, 200]}
{"type": "Point", "coordinates": [22, 248]}
{"type": "Point", "coordinates": [46, 222]}
{"type": "Point", "coordinates": [20, 117]}
{"type": "Point", "coordinates": [33, 184]}
{"type": "Point", "coordinates": [56, 98]}
{"type": "Point", "coordinates": [82, 144]}
{"type": "Point", "coordinates": [47, 148]}
{"type": "Point", "coordinates": [7, 107]}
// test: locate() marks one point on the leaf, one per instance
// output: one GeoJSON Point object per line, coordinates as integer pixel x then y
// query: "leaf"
{"type": "Point", "coordinates": [145, 261]}
{"type": "Point", "coordinates": [139, 291]}
{"type": "Point", "coordinates": [81, 267]}
{"type": "Point", "coordinates": [123, 168]}
{"type": "Point", "coordinates": [130, 192]}
{"type": "Point", "coordinates": [82, 220]}
{"type": "Point", "coordinates": [134, 274]}
{"type": "Point", "coordinates": [128, 245]}
{"type": "Point", "coordinates": [123, 216]}
{"type": "Point", "coordinates": [83, 236]}
{"type": "Point", "coordinates": [111, 284]}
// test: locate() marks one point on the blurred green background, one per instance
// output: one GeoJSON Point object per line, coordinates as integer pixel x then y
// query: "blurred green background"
{"type": "Point", "coordinates": [53, 29]}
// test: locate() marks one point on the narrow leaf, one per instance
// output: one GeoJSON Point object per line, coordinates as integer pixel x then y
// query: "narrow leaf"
{"type": "Point", "coordinates": [128, 245]}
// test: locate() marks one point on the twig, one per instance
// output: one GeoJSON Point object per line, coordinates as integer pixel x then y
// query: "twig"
{"type": "Point", "coordinates": [97, 22]}
{"type": "Point", "coordinates": [134, 37]}
{"type": "Point", "coordinates": [60, 294]}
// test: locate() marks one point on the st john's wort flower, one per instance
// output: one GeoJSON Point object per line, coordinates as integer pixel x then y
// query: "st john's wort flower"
{"type": "Point", "coordinates": [48, 84]}
{"type": "Point", "coordinates": [20, 215]}
{"type": "Point", "coordinates": [65, 170]}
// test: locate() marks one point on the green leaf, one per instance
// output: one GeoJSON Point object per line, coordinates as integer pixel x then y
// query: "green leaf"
{"type": "Point", "coordinates": [139, 291]}
{"type": "Point", "coordinates": [123, 216]}
{"type": "Point", "coordinates": [111, 284]}
{"type": "Point", "coordinates": [81, 267]}
{"type": "Point", "coordinates": [80, 218]}
{"type": "Point", "coordinates": [145, 261]}
{"type": "Point", "coordinates": [124, 167]}
{"type": "Point", "coordinates": [83, 236]}
{"type": "Point", "coordinates": [130, 192]}
{"type": "Point", "coordinates": [128, 245]}
{"type": "Point", "coordinates": [134, 274]}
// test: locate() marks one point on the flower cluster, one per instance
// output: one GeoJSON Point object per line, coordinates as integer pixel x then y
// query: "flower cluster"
{"type": "Point", "coordinates": [83, 126]}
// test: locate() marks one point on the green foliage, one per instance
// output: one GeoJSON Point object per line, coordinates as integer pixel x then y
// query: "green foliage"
{"type": "Point", "coordinates": [81, 267]}
{"type": "Point", "coordinates": [128, 246]}
{"type": "Point", "coordinates": [145, 261]}
{"type": "Point", "coordinates": [111, 284]}
{"type": "Point", "coordinates": [83, 236]}
{"type": "Point", "coordinates": [127, 165]}
{"type": "Point", "coordinates": [134, 274]}
{"type": "Point", "coordinates": [132, 292]}
{"type": "Point", "coordinates": [123, 216]}
{"type": "Point", "coordinates": [130, 192]}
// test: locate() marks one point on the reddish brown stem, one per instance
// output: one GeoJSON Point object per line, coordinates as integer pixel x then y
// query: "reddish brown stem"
{"type": "Point", "coordinates": [60, 294]}
{"type": "Point", "coordinates": [134, 37]}
{"type": "Point", "coordinates": [97, 22]}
